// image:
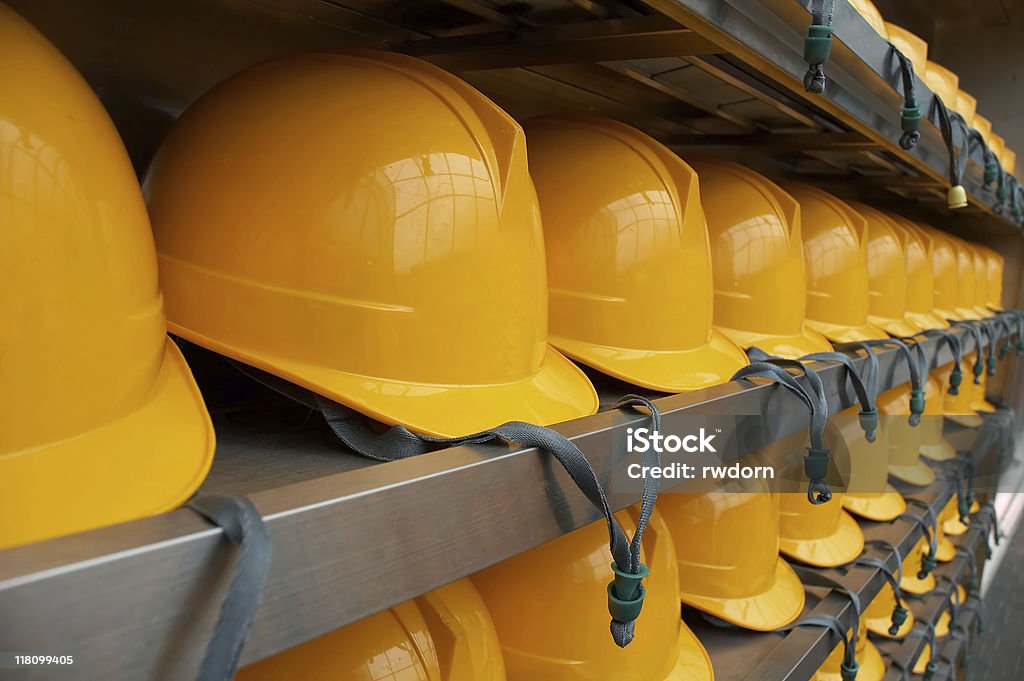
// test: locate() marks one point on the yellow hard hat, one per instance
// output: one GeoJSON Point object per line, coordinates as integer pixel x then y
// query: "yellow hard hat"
{"type": "Point", "coordinates": [943, 82]}
{"type": "Point", "coordinates": [994, 275]}
{"type": "Point", "coordinates": [102, 422]}
{"type": "Point", "coordinates": [915, 48]}
{"type": "Point", "coordinates": [758, 261]}
{"type": "Point", "coordinates": [879, 618]}
{"type": "Point", "coordinates": [984, 126]}
{"type": "Point", "coordinates": [445, 635]}
{"type": "Point", "coordinates": [950, 519]}
{"type": "Point", "coordinates": [967, 281]}
{"type": "Point", "coordinates": [727, 545]}
{"type": "Point", "coordinates": [822, 536]}
{"type": "Point", "coordinates": [921, 666]}
{"type": "Point", "coordinates": [564, 582]}
{"type": "Point", "coordinates": [933, 444]}
{"type": "Point", "coordinates": [1009, 160]}
{"type": "Point", "coordinates": [959, 408]}
{"type": "Point", "coordinates": [912, 565]}
{"type": "Point", "coordinates": [620, 213]}
{"type": "Point", "coordinates": [966, 106]}
{"type": "Point", "coordinates": [887, 272]}
{"type": "Point", "coordinates": [981, 279]}
{"type": "Point", "coordinates": [904, 440]}
{"type": "Point", "coordinates": [835, 247]}
{"type": "Point", "coordinates": [944, 273]}
{"type": "Point", "coordinates": [945, 550]}
{"type": "Point", "coordinates": [918, 250]}
{"type": "Point", "coordinates": [870, 495]}
{"type": "Point", "coordinates": [872, 666]}
{"type": "Point", "coordinates": [997, 147]}
{"type": "Point", "coordinates": [867, 9]}
{"type": "Point", "coordinates": [402, 275]}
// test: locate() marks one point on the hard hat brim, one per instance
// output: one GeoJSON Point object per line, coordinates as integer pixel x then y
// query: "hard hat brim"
{"type": "Point", "coordinates": [911, 584]}
{"type": "Point", "coordinates": [872, 666]}
{"type": "Point", "coordinates": [673, 372]}
{"type": "Point", "coordinates": [895, 327]}
{"type": "Point", "coordinates": [767, 611]}
{"type": "Point", "coordinates": [560, 391]}
{"type": "Point", "coordinates": [954, 528]}
{"type": "Point", "coordinates": [983, 405]}
{"type": "Point", "coordinates": [147, 462]}
{"type": "Point", "coordinates": [883, 507]}
{"type": "Point", "coordinates": [839, 548]}
{"type": "Point", "coordinates": [848, 334]}
{"type": "Point", "coordinates": [926, 321]}
{"type": "Point", "coordinates": [940, 451]}
{"type": "Point", "coordinates": [967, 313]}
{"type": "Point", "coordinates": [942, 626]}
{"type": "Point", "coordinates": [918, 473]}
{"type": "Point", "coordinates": [945, 551]}
{"type": "Point", "coordinates": [693, 663]}
{"type": "Point", "coordinates": [966, 420]}
{"type": "Point", "coordinates": [880, 626]}
{"type": "Point", "coordinates": [787, 347]}
{"type": "Point", "coordinates": [995, 307]}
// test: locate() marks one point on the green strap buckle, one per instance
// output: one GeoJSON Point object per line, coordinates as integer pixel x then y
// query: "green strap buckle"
{"type": "Point", "coordinates": [910, 118]}
{"type": "Point", "coordinates": [869, 423]}
{"type": "Point", "coordinates": [849, 673]}
{"type": "Point", "coordinates": [990, 364]}
{"type": "Point", "coordinates": [899, 618]}
{"type": "Point", "coordinates": [928, 564]}
{"type": "Point", "coordinates": [917, 402]}
{"type": "Point", "coordinates": [991, 173]}
{"type": "Point", "coordinates": [956, 377]}
{"type": "Point", "coordinates": [626, 609]}
{"type": "Point", "coordinates": [816, 463]}
{"type": "Point", "coordinates": [817, 44]}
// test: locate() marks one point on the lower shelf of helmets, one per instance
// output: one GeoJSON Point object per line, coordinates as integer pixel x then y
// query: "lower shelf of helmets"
{"type": "Point", "coordinates": [739, 655]}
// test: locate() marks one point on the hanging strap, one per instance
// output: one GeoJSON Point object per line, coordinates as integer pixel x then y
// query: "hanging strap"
{"type": "Point", "coordinates": [988, 327]}
{"type": "Point", "coordinates": [626, 592]}
{"type": "Point", "coordinates": [242, 525]}
{"type": "Point", "coordinates": [818, 44]}
{"type": "Point", "coordinates": [979, 364]}
{"type": "Point", "coordinates": [953, 341]}
{"type": "Point", "coordinates": [952, 600]}
{"type": "Point", "coordinates": [928, 525]}
{"type": "Point", "coordinates": [928, 634]}
{"type": "Point", "coordinates": [865, 386]}
{"type": "Point", "coordinates": [894, 578]}
{"type": "Point", "coordinates": [915, 368]}
{"type": "Point", "coordinates": [910, 114]}
{"type": "Point", "coordinates": [818, 455]}
{"type": "Point", "coordinates": [974, 585]}
{"type": "Point", "coordinates": [957, 195]}
{"type": "Point", "coordinates": [849, 666]}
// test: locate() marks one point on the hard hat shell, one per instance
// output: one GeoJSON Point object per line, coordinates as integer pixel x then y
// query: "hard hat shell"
{"type": "Point", "coordinates": [878, 615]}
{"type": "Point", "coordinates": [943, 82]}
{"type": "Point", "coordinates": [933, 444]}
{"type": "Point", "coordinates": [835, 250]}
{"type": "Point", "coordinates": [915, 48]}
{"type": "Point", "coordinates": [444, 635]}
{"type": "Point", "coordinates": [872, 666]}
{"type": "Point", "coordinates": [959, 408]}
{"type": "Point", "coordinates": [921, 666]}
{"type": "Point", "coordinates": [950, 518]}
{"type": "Point", "coordinates": [727, 546]}
{"type": "Point", "coordinates": [919, 249]}
{"type": "Point", "coordinates": [984, 126]}
{"type": "Point", "coordinates": [998, 146]}
{"type": "Point", "coordinates": [757, 261]}
{"type": "Point", "coordinates": [887, 272]}
{"type": "Point", "coordinates": [1009, 160]}
{"type": "Point", "coordinates": [945, 550]}
{"type": "Point", "coordinates": [945, 273]}
{"type": "Point", "coordinates": [821, 536]}
{"type": "Point", "coordinates": [903, 439]}
{"type": "Point", "coordinates": [981, 279]}
{"type": "Point", "coordinates": [622, 219]}
{"type": "Point", "coordinates": [967, 281]}
{"type": "Point", "coordinates": [102, 421]}
{"type": "Point", "coordinates": [911, 583]}
{"type": "Point", "coordinates": [942, 627]}
{"type": "Point", "coordinates": [994, 276]}
{"type": "Point", "coordinates": [966, 106]}
{"type": "Point", "coordinates": [867, 9]}
{"type": "Point", "coordinates": [388, 256]}
{"type": "Point", "coordinates": [565, 582]}
{"type": "Point", "coordinates": [870, 495]}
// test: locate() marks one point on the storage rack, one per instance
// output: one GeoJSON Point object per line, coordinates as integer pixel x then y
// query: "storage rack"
{"type": "Point", "coordinates": [718, 76]}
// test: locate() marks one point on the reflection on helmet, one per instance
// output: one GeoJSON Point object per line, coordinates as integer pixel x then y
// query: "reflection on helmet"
{"type": "Point", "coordinates": [835, 250]}
{"type": "Point", "coordinates": [621, 213]}
{"type": "Point", "coordinates": [872, 666]}
{"type": "Point", "coordinates": [915, 49]}
{"type": "Point", "coordinates": [758, 261]}
{"type": "Point", "coordinates": [887, 273]}
{"type": "Point", "coordinates": [933, 444]}
{"type": "Point", "coordinates": [994, 274]}
{"type": "Point", "coordinates": [400, 275]}
{"type": "Point", "coordinates": [102, 422]}
{"type": "Point", "coordinates": [903, 439]}
{"type": "Point", "coordinates": [727, 545]}
{"type": "Point", "coordinates": [445, 635]}
{"type": "Point", "coordinates": [942, 82]}
{"type": "Point", "coordinates": [922, 307]}
{"type": "Point", "coordinates": [944, 274]}
{"type": "Point", "coordinates": [564, 584]}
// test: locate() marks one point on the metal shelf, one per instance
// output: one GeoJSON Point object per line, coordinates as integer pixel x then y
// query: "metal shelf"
{"type": "Point", "coordinates": [158, 582]}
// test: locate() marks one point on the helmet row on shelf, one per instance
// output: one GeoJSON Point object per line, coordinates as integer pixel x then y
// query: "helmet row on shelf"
{"type": "Point", "coordinates": [368, 227]}
{"type": "Point", "coordinates": [939, 79]}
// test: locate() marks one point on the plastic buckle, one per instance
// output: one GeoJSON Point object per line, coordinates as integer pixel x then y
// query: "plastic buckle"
{"type": "Point", "coordinates": [956, 197]}
{"type": "Point", "coordinates": [817, 44]}
{"type": "Point", "coordinates": [869, 423]}
{"type": "Point", "coordinates": [991, 174]}
{"type": "Point", "coordinates": [978, 369]}
{"type": "Point", "coordinates": [928, 563]}
{"type": "Point", "coordinates": [910, 118]}
{"type": "Point", "coordinates": [849, 673]}
{"type": "Point", "coordinates": [627, 609]}
{"type": "Point", "coordinates": [990, 364]}
{"type": "Point", "coordinates": [956, 377]}
{"type": "Point", "coordinates": [899, 618]}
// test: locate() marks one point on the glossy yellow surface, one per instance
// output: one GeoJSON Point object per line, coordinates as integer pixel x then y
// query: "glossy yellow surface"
{"type": "Point", "coordinates": [911, 583]}
{"type": "Point", "coordinates": [984, 126]}
{"type": "Point", "coordinates": [904, 440]}
{"type": "Point", "coordinates": [945, 274]}
{"type": "Point", "coordinates": [102, 422]}
{"type": "Point", "coordinates": [967, 291]}
{"type": "Point", "coordinates": [913, 47]}
{"type": "Point", "coordinates": [933, 444]}
{"type": "Point", "coordinates": [872, 666]}
{"type": "Point", "coordinates": [998, 147]}
{"type": "Point", "coordinates": [402, 275]}
{"type": "Point", "coordinates": [950, 519]}
{"type": "Point", "coordinates": [629, 267]}
{"type": "Point", "coordinates": [878, 615]}
{"type": "Point", "coordinates": [943, 82]}
{"type": "Point", "coordinates": [445, 635]}
{"type": "Point", "coordinates": [918, 250]}
{"type": "Point", "coordinates": [550, 609]}
{"type": "Point", "coordinates": [922, 662]}
{"type": "Point", "coordinates": [727, 546]}
{"type": "Point", "coordinates": [822, 536]}
{"type": "Point", "coordinates": [994, 276]}
{"type": "Point", "coordinates": [869, 493]}
{"type": "Point", "coordinates": [867, 9]}
{"type": "Point", "coordinates": [835, 249]}
{"type": "Point", "coordinates": [757, 261]}
{"type": "Point", "coordinates": [887, 272]}
{"type": "Point", "coordinates": [966, 106]}
{"type": "Point", "coordinates": [959, 408]}
{"type": "Point", "coordinates": [1009, 160]}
